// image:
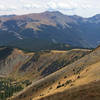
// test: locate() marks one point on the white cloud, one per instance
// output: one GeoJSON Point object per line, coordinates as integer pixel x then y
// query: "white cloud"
{"type": "Point", "coordinates": [31, 6]}
{"type": "Point", "coordinates": [79, 7]}
{"type": "Point", "coordinates": [3, 8]}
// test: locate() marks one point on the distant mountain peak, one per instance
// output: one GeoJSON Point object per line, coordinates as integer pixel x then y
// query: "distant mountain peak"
{"type": "Point", "coordinates": [52, 12]}
{"type": "Point", "coordinates": [97, 15]}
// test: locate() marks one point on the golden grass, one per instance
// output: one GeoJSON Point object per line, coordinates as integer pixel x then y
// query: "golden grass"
{"type": "Point", "coordinates": [42, 86]}
{"type": "Point", "coordinates": [87, 76]}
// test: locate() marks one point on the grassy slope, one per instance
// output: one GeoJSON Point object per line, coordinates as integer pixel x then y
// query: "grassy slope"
{"type": "Point", "coordinates": [87, 87]}
{"type": "Point", "coordinates": [23, 66]}
{"type": "Point", "coordinates": [90, 91]}
{"type": "Point", "coordinates": [83, 71]}
{"type": "Point", "coordinates": [40, 64]}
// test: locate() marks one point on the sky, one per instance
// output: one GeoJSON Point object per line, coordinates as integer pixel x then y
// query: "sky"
{"type": "Point", "coordinates": [85, 8]}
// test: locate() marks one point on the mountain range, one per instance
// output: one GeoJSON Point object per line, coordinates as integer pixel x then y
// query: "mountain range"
{"type": "Point", "coordinates": [48, 30]}
{"type": "Point", "coordinates": [49, 56]}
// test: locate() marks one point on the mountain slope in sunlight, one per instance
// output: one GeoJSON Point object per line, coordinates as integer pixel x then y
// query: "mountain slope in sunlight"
{"type": "Point", "coordinates": [18, 64]}
{"type": "Point", "coordinates": [84, 72]}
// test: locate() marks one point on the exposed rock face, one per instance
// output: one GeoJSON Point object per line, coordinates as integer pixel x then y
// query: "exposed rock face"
{"type": "Point", "coordinates": [11, 59]}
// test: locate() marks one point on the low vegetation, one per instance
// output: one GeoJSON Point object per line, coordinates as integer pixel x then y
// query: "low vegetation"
{"type": "Point", "coordinates": [8, 87]}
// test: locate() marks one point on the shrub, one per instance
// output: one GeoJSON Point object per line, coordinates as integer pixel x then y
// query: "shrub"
{"type": "Point", "coordinates": [65, 77]}
{"type": "Point", "coordinates": [78, 77]}
{"type": "Point", "coordinates": [68, 82]}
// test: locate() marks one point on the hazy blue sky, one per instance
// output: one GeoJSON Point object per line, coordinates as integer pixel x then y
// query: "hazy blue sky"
{"type": "Point", "coordinates": [84, 8]}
